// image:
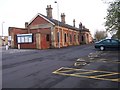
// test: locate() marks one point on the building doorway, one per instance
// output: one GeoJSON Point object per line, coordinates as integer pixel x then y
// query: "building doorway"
{"type": "Point", "coordinates": [38, 41]}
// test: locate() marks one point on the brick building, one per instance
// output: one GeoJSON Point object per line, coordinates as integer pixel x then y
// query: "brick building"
{"type": "Point", "coordinates": [44, 32]}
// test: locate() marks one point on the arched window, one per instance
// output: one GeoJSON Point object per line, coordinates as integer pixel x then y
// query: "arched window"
{"type": "Point", "coordinates": [58, 36]}
{"type": "Point", "coordinates": [65, 37]}
{"type": "Point", "coordinates": [74, 38]}
{"type": "Point", "coordinates": [82, 38]}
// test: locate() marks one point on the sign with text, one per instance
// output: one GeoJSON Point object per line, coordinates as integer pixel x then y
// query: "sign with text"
{"type": "Point", "coordinates": [24, 38]}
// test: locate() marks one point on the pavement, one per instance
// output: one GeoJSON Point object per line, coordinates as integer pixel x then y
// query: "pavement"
{"type": "Point", "coordinates": [11, 50]}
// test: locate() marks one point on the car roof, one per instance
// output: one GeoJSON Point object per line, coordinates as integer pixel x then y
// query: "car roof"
{"type": "Point", "coordinates": [108, 39]}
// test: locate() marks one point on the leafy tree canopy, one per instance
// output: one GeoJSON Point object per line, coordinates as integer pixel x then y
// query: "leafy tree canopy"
{"type": "Point", "coordinates": [113, 18]}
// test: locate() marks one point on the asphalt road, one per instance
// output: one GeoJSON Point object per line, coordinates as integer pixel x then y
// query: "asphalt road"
{"type": "Point", "coordinates": [37, 68]}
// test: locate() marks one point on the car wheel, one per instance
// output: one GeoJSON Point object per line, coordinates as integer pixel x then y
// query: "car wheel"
{"type": "Point", "coordinates": [102, 48]}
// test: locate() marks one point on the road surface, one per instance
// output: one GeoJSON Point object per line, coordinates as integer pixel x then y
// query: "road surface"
{"type": "Point", "coordinates": [54, 68]}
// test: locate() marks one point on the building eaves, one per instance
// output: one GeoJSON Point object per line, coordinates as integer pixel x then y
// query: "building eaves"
{"type": "Point", "coordinates": [18, 28]}
{"type": "Point", "coordinates": [56, 22]}
{"type": "Point", "coordinates": [84, 30]}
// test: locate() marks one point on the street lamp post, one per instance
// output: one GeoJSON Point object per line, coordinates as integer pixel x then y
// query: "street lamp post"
{"type": "Point", "coordinates": [58, 24]}
{"type": "Point", "coordinates": [2, 33]}
{"type": "Point", "coordinates": [2, 30]}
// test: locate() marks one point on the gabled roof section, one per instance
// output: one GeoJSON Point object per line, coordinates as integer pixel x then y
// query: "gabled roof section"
{"type": "Point", "coordinates": [40, 16]}
{"type": "Point", "coordinates": [54, 22]}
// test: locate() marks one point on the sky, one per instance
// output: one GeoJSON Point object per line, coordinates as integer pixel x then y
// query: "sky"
{"type": "Point", "coordinates": [14, 13]}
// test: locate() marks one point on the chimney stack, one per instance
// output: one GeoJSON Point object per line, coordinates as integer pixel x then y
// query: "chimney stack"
{"type": "Point", "coordinates": [63, 17]}
{"type": "Point", "coordinates": [80, 26]}
{"type": "Point", "coordinates": [49, 11]}
{"type": "Point", "coordinates": [73, 22]}
{"type": "Point", "coordinates": [26, 24]}
{"type": "Point", "coordinates": [27, 27]}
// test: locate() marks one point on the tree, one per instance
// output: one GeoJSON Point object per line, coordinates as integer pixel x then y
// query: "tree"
{"type": "Point", "coordinates": [100, 35]}
{"type": "Point", "coordinates": [113, 18]}
{"type": "Point", "coordinates": [114, 36]}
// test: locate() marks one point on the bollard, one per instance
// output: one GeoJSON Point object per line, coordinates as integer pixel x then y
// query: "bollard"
{"type": "Point", "coordinates": [6, 47]}
{"type": "Point", "coordinates": [18, 46]}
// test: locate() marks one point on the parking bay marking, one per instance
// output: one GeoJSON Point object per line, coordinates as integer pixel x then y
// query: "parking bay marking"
{"type": "Point", "coordinates": [91, 74]}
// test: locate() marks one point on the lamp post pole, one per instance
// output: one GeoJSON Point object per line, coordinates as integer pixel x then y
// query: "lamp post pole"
{"type": "Point", "coordinates": [58, 24]}
{"type": "Point", "coordinates": [2, 29]}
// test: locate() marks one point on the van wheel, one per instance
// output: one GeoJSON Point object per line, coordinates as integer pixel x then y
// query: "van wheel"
{"type": "Point", "coordinates": [102, 48]}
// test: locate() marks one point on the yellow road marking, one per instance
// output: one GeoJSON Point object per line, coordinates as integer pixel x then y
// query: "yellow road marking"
{"type": "Point", "coordinates": [90, 77]}
{"type": "Point", "coordinates": [61, 71]}
{"type": "Point", "coordinates": [103, 71]}
{"type": "Point", "coordinates": [69, 69]}
{"type": "Point", "coordinates": [106, 75]}
{"type": "Point", "coordinates": [86, 72]}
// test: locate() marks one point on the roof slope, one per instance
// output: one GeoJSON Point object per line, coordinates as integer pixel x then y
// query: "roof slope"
{"type": "Point", "coordinates": [56, 22]}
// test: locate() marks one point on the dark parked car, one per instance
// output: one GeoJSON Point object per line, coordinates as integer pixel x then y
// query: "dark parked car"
{"type": "Point", "coordinates": [108, 43]}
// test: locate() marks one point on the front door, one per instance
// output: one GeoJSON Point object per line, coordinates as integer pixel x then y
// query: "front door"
{"type": "Point", "coordinates": [38, 40]}
{"type": "Point", "coordinates": [43, 41]}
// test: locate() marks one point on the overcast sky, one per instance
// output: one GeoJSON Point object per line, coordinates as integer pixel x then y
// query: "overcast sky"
{"type": "Point", "coordinates": [90, 12]}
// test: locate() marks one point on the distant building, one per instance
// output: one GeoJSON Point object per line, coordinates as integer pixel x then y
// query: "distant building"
{"type": "Point", "coordinates": [3, 40]}
{"type": "Point", "coordinates": [44, 32]}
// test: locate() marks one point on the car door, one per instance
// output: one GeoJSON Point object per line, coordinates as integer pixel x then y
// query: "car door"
{"type": "Point", "coordinates": [114, 43]}
{"type": "Point", "coordinates": [107, 43]}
